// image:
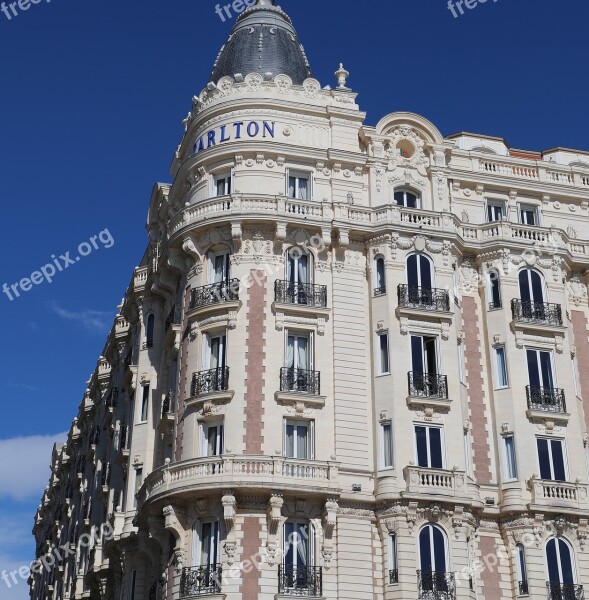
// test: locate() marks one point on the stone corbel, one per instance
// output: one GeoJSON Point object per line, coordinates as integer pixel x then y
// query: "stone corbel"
{"type": "Point", "coordinates": [445, 330]}
{"type": "Point", "coordinates": [583, 532]}
{"type": "Point", "coordinates": [176, 260]}
{"type": "Point", "coordinates": [559, 341]}
{"type": "Point", "coordinates": [229, 510]}
{"type": "Point", "coordinates": [326, 236]}
{"type": "Point", "coordinates": [457, 519]}
{"type": "Point", "coordinates": [236, 235]}
{"type": "Point", "coordinates": [321, 325]}
{"type": "Point", "coordinates": [330, 517]}
{"type": "Point", "coordinates": [411, 516]}
{"type": "Point", "coordinates": [190, 248]}
{"type": "Point", "coordinates": [274, 513]}
{"type": "Point", "coordinates": [344, 237]}
{"type": "Point", "coordinates": [279, 321]}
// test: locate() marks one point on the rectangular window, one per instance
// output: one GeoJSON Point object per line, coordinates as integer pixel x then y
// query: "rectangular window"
{"type": "Point", "coordinates": [145, 404]}
{"type": "Point", "coordinates": [500, 367]}
{"type": "Point", "coordinates": [212, 438]}
{"type": "Point", "coordinates": [510, 462]}
{"type": "Point", "coordinates": [461, 373]}
{"type": "Point", "coordinates": [551, 459]}
{"type": "Point", "coordinates": [132, 585]}
{"type": "Point", "coordinates": [298, 547]}
{"type": "Point", "coordinates": [393, 562]}
{"type": "Point", "coordinates": [298, 351]}
{"type": "Point", "coordinates": [223, 184]}
{"type": "Point", "coordinates": [215, 352]}
{"type": "Point", "coordinates": [383, 354]}
{"type": "Point", "coordinates": [386, 444]}
{"type": "Point", "coordinates": [495, 211]}
{"type": "Point", "coordinates": [219, 267]}
{"type": "Point", "coordinates": [528, 215]}
{"type": "Point", "coordinates": [205, 544]}
{"type": "Point", "coordinates": [540, 371]}
{"type": "Point", "coordinates": [428, 447]}
{"type": "Point", "coordinates": [299, 186]}
{"type": "Point", "coordinates": [298, 439]}
{"type": "Point", "coordinates": [138, 484]}
{"type": "Point", "coordinates": [424, 355]}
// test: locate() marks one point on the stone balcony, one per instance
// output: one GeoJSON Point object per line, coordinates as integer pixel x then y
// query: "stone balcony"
{"type": "Point", "coordinates": [558, 495]}
{"type": "Point", "coordinates": [215, 473]}
{"type": "Point", "coordinates": [423, 481]}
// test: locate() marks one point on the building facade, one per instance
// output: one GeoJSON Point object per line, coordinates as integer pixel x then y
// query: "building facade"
{"type": "Point", "coordinates": [353, 363]}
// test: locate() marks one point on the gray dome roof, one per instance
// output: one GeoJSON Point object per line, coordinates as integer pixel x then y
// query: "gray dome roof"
{"type": "Point", "coordinates": [263, 41]}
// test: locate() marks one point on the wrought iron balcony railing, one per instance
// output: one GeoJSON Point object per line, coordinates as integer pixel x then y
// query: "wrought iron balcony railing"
{"type": "Point", "coordinates": [546, 399]}
{"type": "Point", "coordinates": [526, 311]}
{"type": "Point", "coordinates": [124, 438]}
{"type": "Point", "coordinates": [380, 291]}
{"type": "Point", "coordinates": [423, 297]}
{"type": "Point", "coordinates": [216, 293]}
{"type": "Point", "coordinates": [174, 316]}
{"type": "Point", "coordinates": [428, 385]}
{"type": "Point", "coordinates": [306, 294]}
{"type": "Point", "coordinates": [436, 585]}
{"type": "Point", "coordinates": [213, 380]}
{"type": "Point", "coordinates": [393, 576]}
{"type": "Point", "coordinates": [300, 380]}
{"type": "Point", "coordinates": [300, 580]}
{"type": "Point", "coordinates": [168, 405]}
{"type": "Point", "coordinates": [495, 304]}
{"type": "Point", "coordinates": [565, 591]}
{"type": "Point", "coordinates": [523, 587]}
{"type": "Point", "coordinates": [197, 581]}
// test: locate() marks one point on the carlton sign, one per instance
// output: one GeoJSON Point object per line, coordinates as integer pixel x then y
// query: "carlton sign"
{"type": "Point", "coordinates": [236, 131]}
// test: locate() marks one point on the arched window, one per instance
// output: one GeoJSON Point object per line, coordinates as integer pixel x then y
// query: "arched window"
{"type": "Point", "coordinates": [531, 287]}
{"type": "Point", "coordinates": [406, 198]}
{"type": "Point", "coordinates": [298, 575]}
{"type": "Point", "coordinates": [494, 289]}
{"type": "Point", "coordinates": [419, 271]}
{"type": "Point", "coordinates": [561, 575]}
{"type": "Point", "coordinates": [433, 561]}
{"type": "Point", "coordinates": [521, 571]}
{"type": "Point", "coordinates": [149, 329]}
{"type": "Point", "coordinates": [380, 285]}
{"type": "Point", "coordinates": [419, 291]}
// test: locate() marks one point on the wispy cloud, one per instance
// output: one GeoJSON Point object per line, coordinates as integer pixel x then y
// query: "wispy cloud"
{"type": "Point", "coordinates": [93, 320]}
{"type": "Point", "coordinates": [24, 465]}
{"type": "Point", "coordinates": [22, 386]}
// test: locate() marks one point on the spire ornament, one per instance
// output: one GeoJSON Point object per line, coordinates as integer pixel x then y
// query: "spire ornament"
{"type": "Point", "coordinates": [342, 76]}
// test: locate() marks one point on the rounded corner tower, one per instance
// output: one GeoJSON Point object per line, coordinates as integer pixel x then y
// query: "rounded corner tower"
{"type": "Point", "coordinates": [263, 41]}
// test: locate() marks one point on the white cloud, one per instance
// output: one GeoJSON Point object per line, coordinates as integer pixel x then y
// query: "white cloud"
{"type": "Point", "coordinates": [8, 589]}
{"type": "Point", "coordinates": [24, 465]}
{"type": "Point", "coordinates": [22, 386]}
{"type": "Point", "coordinates": [94, 320]}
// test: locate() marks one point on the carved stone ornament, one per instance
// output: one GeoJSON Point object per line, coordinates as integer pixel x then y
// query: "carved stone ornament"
{"type": "Point", "coordinates": [229, 510]}
{"type": "Point", "coordinates": [275, 513]}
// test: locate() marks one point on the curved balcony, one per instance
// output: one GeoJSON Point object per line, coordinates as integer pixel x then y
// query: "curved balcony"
{"type": "Point", "coordinates": [198, 581]}
{"type": "Point", "coordinates": [304, 580]}
{"type": "Point", "coordinates": [214, 294]}
{"type": "Point", "coordinates": [212, 384]}
{"type": "Point", "coordinates": [198, 475]}
{"type": "Point", "coordinates": [543, 399]}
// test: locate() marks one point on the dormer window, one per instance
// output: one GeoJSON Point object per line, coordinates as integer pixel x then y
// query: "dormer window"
{"type": "Point", "coordinates": [407, 199]}
{"type": "Point", "coordinates": [299, 185]}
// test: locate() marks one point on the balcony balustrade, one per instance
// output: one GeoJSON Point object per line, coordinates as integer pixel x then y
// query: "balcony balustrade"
{"type": "Point", "coordinates": [436, 482]}
{"type": "Point", "coordinates": [303, 580]}
{"type": "Point", "coordinates": [393, 576]}
{"type": "Point", "coordinates": [565, 591]}
{"type": "Point", "coordinates": [198, 581]}
{"type": "Point", "coordinates": [300, 380]}
{"type": "Point", "coordinates": [546, 399]}
{"type": "Point", "coordinates": [549, 493]}
{"type": "Point", "coordinates": [423, 298]}
{"type": "Point", "coordinates": [436, 585]}
{"type": "Point", "coordinates": [304, 294]}
{"type": "Point", "coordinates": [212, 380]}
{"type": "Point", "coordinates": [526, 311]}
{"type": "Point", "coordinates": [215, 293]}
{"type": "Point", "coordinates": [240, 471]}
{"type": "Point", "coordinates": [427, 385]}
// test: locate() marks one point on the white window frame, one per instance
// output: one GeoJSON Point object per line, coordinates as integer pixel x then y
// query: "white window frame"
{"type": "Point", "coordinates": [558, 541]}
{"type": "Point", "coordinates": [207, 348]}
{"type": "Point", "coordinates": [137, 483]}
{"type": "Point", "coordinates": [298, 175]}
{"type": "Point", "coordinates": [197, 540]}
{"type": "Point", "coordinates": [423, 336]}
{"type": "Point", "coordinates": [150, 316]}
{"type": "Point", "coordinates": [509, 460]}
{"type": "Point", "coordinates": [490, 281]}
{"type": "Point", "coordinates": [406, 191]}
{"type": "Point", "coordinates": [528, 208]}
{"type": "Point", "coordinates": [565, 457]}
{"type": "Point", "coordinates": [428, 426]}
{"type": "Point", "coordinates": [310, 346]}
{"type": "Point", "coordinates": [204, 427]}
{"type": "Point", "coordinates": [375, 282]}
{"type": "Point", "coordinates": [310, 426]}
{"type": "Point", "coordinates": [379, 337]}
{"type": "Point", "coordinates": [211, 264]}
{"type": "Point", "coordinates": [388, 423]}
{"type": "Point", "coordinates": [144, 406]}
{"type": "Point", "coordinates": [498, 375]}
{"type": "Point", "coordinates": [461, 371]}
{"type": "Point", "coordinates": [215, 179]}
{"type": "Point", "coordinates": [552, 365]}
{"type": "Point", "coordinates": [495, 204]}
{"type": "Point", "coordinates": [393, 554]}
{"type": "Point", "coordinates": [310, 541]}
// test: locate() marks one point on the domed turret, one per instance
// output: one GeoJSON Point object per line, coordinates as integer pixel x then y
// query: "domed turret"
{"type": "Point", "coordinates": [263, 41]}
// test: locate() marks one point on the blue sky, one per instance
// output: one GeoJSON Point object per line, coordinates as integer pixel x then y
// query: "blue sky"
{"type": "Point", "coordinates": [92, 95]}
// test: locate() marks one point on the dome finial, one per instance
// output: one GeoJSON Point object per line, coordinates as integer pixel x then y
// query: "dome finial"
{"type": "Point", "coordinates": [342, 76]}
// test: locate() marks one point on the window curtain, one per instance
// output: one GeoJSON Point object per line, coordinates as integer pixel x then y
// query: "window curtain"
{"type": "Point", "coordinates": [290, 352]}
{"type": "Point", "coordinates": [303, 189]}
{"type": "Point", "coordinates": [302, 442]}
{"type": "Point", "coordinates": [303, 269]}
{"type": "Point", "coordinates": [302, 535]}
{"type": "Point", "coordinates": [302, 354]}
{"type": "Point", "coordinates": [291, 187]}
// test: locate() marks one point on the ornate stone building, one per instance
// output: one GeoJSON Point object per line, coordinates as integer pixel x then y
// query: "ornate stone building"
{"type": "Point", "coordinates": [352, 364]}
